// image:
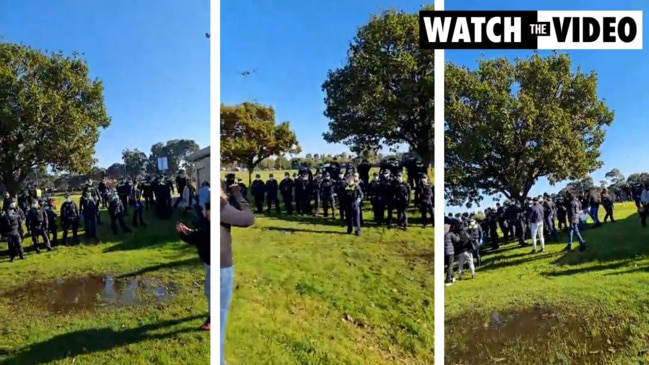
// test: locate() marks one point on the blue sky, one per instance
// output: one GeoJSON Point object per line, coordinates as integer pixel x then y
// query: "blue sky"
{"type": "Point", "coordinates": [292, 44]}
{"type": "Point", "coordinates": [152, 56]}
{"type": "Point", "coordinates": [623, 79]}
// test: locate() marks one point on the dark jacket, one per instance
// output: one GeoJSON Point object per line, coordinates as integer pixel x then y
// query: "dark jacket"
{"type": "Point", "coordinates": [200, 237]}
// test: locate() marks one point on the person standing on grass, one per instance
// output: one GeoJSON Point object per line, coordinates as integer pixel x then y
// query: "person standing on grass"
{"type": "Point", "coordinates": [536, 216]}
{"type": "Point", "coordinates": [450, 240]}
{"type": "Point", "coordinates": [200, 237]}
{"type": "Point", "coordinates": [574, 212]}
{"type": "Point", "coordinates": [241, 216]}
{"type": "Point", "coordinates": [644, 204]}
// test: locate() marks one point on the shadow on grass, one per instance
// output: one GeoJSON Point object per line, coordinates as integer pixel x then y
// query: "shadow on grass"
{"type": "Point", "coordinates": [587, 269]}
{"type": "Point", "coordinates": [305, 230]}
{"type": "Point", "coordinates": [610, 247]}
{"type": "Point", "coordinates": [502, 263]}
{"type": "Point", "coordinates": [83, 342]}
{"type": "Point", "coordinates": [194, 261]}
{"type": "Point", "coordinates": [157, 232]}
{"type": "Point", "coordinates": [414, 218]}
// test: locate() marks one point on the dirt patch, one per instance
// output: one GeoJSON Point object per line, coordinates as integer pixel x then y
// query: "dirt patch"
{"type": "Point", "coordinates": [533, 336]}
{"type": "Point", "coordinates": [72, 294]}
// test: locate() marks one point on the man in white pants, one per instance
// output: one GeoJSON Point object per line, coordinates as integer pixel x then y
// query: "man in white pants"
{"type": "Point", "coordinates": [536, 222]}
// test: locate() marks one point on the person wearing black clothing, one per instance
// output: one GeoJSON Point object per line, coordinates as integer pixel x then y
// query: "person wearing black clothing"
{"type": "Point", "coordinates": [116, 213]}
{"type": "Point", "coordinates": [450, 240]}
{"type": "Point", "coordinates": [70, 220]}
{"type": "Point", "coordinates": [595, 200]}
{"type": "Point", "coordinates": [272, 189]}
{"type": "Point", "coordinates": [286, 189]}
{"type": "Point", "coordinates": [200, 237]}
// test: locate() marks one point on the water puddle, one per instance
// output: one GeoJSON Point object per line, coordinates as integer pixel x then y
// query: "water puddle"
{"type": "Point", "coordinates": [91, 292]}
{"type": "Point", "coordinates": [535, 334]}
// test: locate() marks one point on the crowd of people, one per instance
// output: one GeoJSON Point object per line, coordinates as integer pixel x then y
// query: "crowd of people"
{"type": "Point", "coordinates": [337, 192]}
{"type": "Point", "coordinates": [30, 215]}
{"type": "Point", "coordinates": [466, 234]}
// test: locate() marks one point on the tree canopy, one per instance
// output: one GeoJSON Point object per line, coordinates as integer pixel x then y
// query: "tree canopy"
{"type": "Point", "coordinates": [249, 135]}
{"type": "Point", "coordinates": [383, 95]}
{"type": "Point", "coordinates": [135, 162]}
{"type": "Point", "coordinates": [510, 123]}
{"type": "Point", "coordinates": [176, 151]}
{"type": "Point", "coordinates": [51, 113]}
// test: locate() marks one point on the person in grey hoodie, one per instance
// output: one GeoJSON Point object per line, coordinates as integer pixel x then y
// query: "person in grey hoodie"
{"type": "Point", "coordinates": [241, 216]}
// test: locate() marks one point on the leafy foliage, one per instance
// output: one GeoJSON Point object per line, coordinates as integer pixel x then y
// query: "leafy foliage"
{"type": "Point", "coordinates": [249, 135]}
{"type": "Point", "coordinates": [384, 93]}
{"type": "Point", "coordinates": [135, 161]}
{"type": "Point", "coordinates": [51, 113]}
{"type": "Point", "coordinates": [510, 123]}
{"type": "Point", "coordinates": [176, 151]}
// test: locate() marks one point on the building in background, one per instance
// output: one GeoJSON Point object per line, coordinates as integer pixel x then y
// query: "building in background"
{"type": "Point", "coordinates": [201, 161]}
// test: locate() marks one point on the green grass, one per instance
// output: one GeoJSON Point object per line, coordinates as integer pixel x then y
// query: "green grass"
{"type": "Point", "coordinates": [151, 332]}
{"type": "Point", "coordinates": [553, 307]}
{"type": "Point", "coordinates": [306, 293]}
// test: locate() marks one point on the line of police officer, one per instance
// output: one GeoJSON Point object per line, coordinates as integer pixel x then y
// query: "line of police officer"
{"type": "Point", "coordinates": [39, 214]}
{"type": "Point", "coordinates": [330, 189]}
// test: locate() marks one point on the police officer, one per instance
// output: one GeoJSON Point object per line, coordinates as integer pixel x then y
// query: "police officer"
{"type": "Point", "coordinates": [272, 189]}
{"type": "Point", "coordinates": [314, 190]}
{"type": "Point", "coordinates": [51, 220]}
{"type": "Point", "coordinates": [37, 223]}
{"type": "Point", "coordinates": [10, 228]}
{"type": "Point", "coordinates": [302, 196]}
{"type": "Point", "coordinates": [138, 209]}
{"type": "Point", "coordinates": [243, 188]}
{"type": "Point", "coordinates": [286, 189]}
{"type": "Point", "coordinates": [123, 192]}
{"type": "Point", "coordinates": [70, 219]}
{"type": "Point", "coordinates": [375, 193]}
{"type": "Point", "coordinates": [402, 201]}
{"type": "Point", "coordinates": [339, 190]}
{"type": "Point", "coordinates": [116, 212]}
{"type": "Point", "coordinates": [327, 190]}
{"type": "Point", "coordinates": [258, 189]}
{"type": "Point", "coordinates": [146, 189]}
{"type": "Point", "coordinates": [102, 189]}
{"type": "Point", "coordinates": [89, 207]}
{"type": "Point", "coordinates": [425, 195]}
{"type": "Point", "coordinates": [93, 192]}
{"type": "Point", "coordinates": [351, 199]}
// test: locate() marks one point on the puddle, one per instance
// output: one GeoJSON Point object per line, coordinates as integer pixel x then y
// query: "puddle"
{"type": "Point", "coordinates": [531, 336]}
{"type": "Point", "coordinates": [88, 293]}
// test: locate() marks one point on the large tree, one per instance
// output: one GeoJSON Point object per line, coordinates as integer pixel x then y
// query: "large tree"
{"type": "Point", "coordinates": [51, 112]}
{"type": "Point", "coordinates": [249, 134]}
{"type": "Point", "coordinates": [510, 123]}
{"type": "Point", "coordinates": [383, 95]}
{"type": "Point", "coordinates": [135, 161]}
{"type": "Point", "coordinates": [176, 151]}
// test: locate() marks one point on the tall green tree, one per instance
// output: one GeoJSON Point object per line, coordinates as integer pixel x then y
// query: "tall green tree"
{"type": "Point", "coordinates": [176, 151]}
{"type": "Point", "coordinates": [135, 161]}
{"type": "Point", "coordinates": [249, 135]}
{"type": "Point", "coordinates": [383, 95]}
{"type": "Point", "coordinates": [510, 123]}
{"type": "Point", "coordinates": [51, 113]}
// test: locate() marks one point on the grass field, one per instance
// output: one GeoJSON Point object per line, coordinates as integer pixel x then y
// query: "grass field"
{"type": "Point", "coordinates": [49, 311]}
{"type": "Point", "coordinates": [556, 308]}
{"type": "Point", "coordinates": [307, 293]}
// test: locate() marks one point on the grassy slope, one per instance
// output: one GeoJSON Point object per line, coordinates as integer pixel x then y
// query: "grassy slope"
{"type": "Point", "coordinates": [163, 333]}
{"type": "Point", "coordinates": [306, 293]}
{"type": "Point", "coordinates": [585, 308]}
